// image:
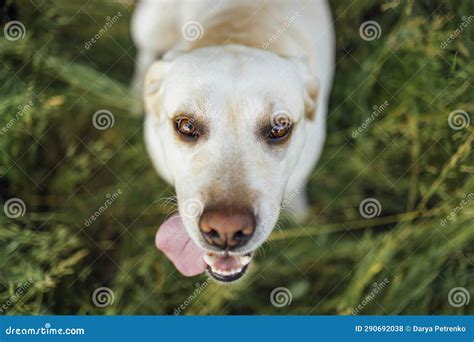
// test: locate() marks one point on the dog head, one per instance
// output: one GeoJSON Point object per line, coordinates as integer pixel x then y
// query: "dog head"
{"type": "Point", "coordinates": [227, 132]}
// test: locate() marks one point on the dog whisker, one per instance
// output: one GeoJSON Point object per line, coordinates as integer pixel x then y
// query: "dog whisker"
{"type": "Point", "coordinates": [171, 213]}
{"type": "Point", "coordinates": [171, 201]}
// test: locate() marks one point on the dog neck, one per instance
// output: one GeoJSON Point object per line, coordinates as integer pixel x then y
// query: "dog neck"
{"type": "Point", "coordinates": [254, 25]}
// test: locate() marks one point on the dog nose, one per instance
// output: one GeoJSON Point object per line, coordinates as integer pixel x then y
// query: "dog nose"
{"type": "Point", "coordinates": [227, 228]}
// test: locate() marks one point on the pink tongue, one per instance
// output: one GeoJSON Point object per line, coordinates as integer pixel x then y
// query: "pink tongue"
{"type": "Point", "coordinates": [173, 240]}
{"type": "Point", "coordinates": [227, 263]}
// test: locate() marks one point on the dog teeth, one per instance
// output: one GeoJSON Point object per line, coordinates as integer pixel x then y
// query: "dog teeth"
{"type": "Point", "coordinates": [244, 260]}
{"type": "Point", "coordinates": [210, 259]}
{"type": "Point", "coordinates": [226, 273]}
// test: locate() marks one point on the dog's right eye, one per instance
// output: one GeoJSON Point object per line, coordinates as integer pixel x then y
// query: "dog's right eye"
{"type": "Point", "coordinates": [280, 130]}
{"type": "Point", "coordinates": [187, 128]}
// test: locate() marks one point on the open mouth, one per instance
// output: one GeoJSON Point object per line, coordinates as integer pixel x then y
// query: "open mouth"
{"type": "Point", "coordinates": [191, 260]}
{"type": "Point", "coordinates": [227, 268]}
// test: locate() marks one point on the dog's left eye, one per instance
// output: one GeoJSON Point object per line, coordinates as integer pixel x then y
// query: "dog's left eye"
{"type": "Point", "coordinates": [187, 128]}
{"type": "Point", "coordinates": [280, 131]}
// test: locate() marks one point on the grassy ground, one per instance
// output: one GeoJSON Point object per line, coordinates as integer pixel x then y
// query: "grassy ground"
{"type": "Point", "coordinates": [406, 260]}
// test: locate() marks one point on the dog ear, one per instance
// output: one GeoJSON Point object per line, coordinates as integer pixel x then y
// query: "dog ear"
{"type": "Point", "coordinates": [153, 84]}
{"type": "Point", "coordinates": [311, 86]}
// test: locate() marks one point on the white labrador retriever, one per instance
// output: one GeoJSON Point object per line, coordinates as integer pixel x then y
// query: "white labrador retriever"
{"type": "Point", "coordinates": [236, 94]}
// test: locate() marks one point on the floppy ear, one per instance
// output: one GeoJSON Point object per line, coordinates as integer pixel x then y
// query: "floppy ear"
{"type": "Point", "coordinates": [311, 86]}
{"type": "Point", "coordinates": [153, 85]}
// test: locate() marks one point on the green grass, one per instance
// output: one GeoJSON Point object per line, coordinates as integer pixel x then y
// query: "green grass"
{"type": "Point", "coordinates": [408, 158]}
